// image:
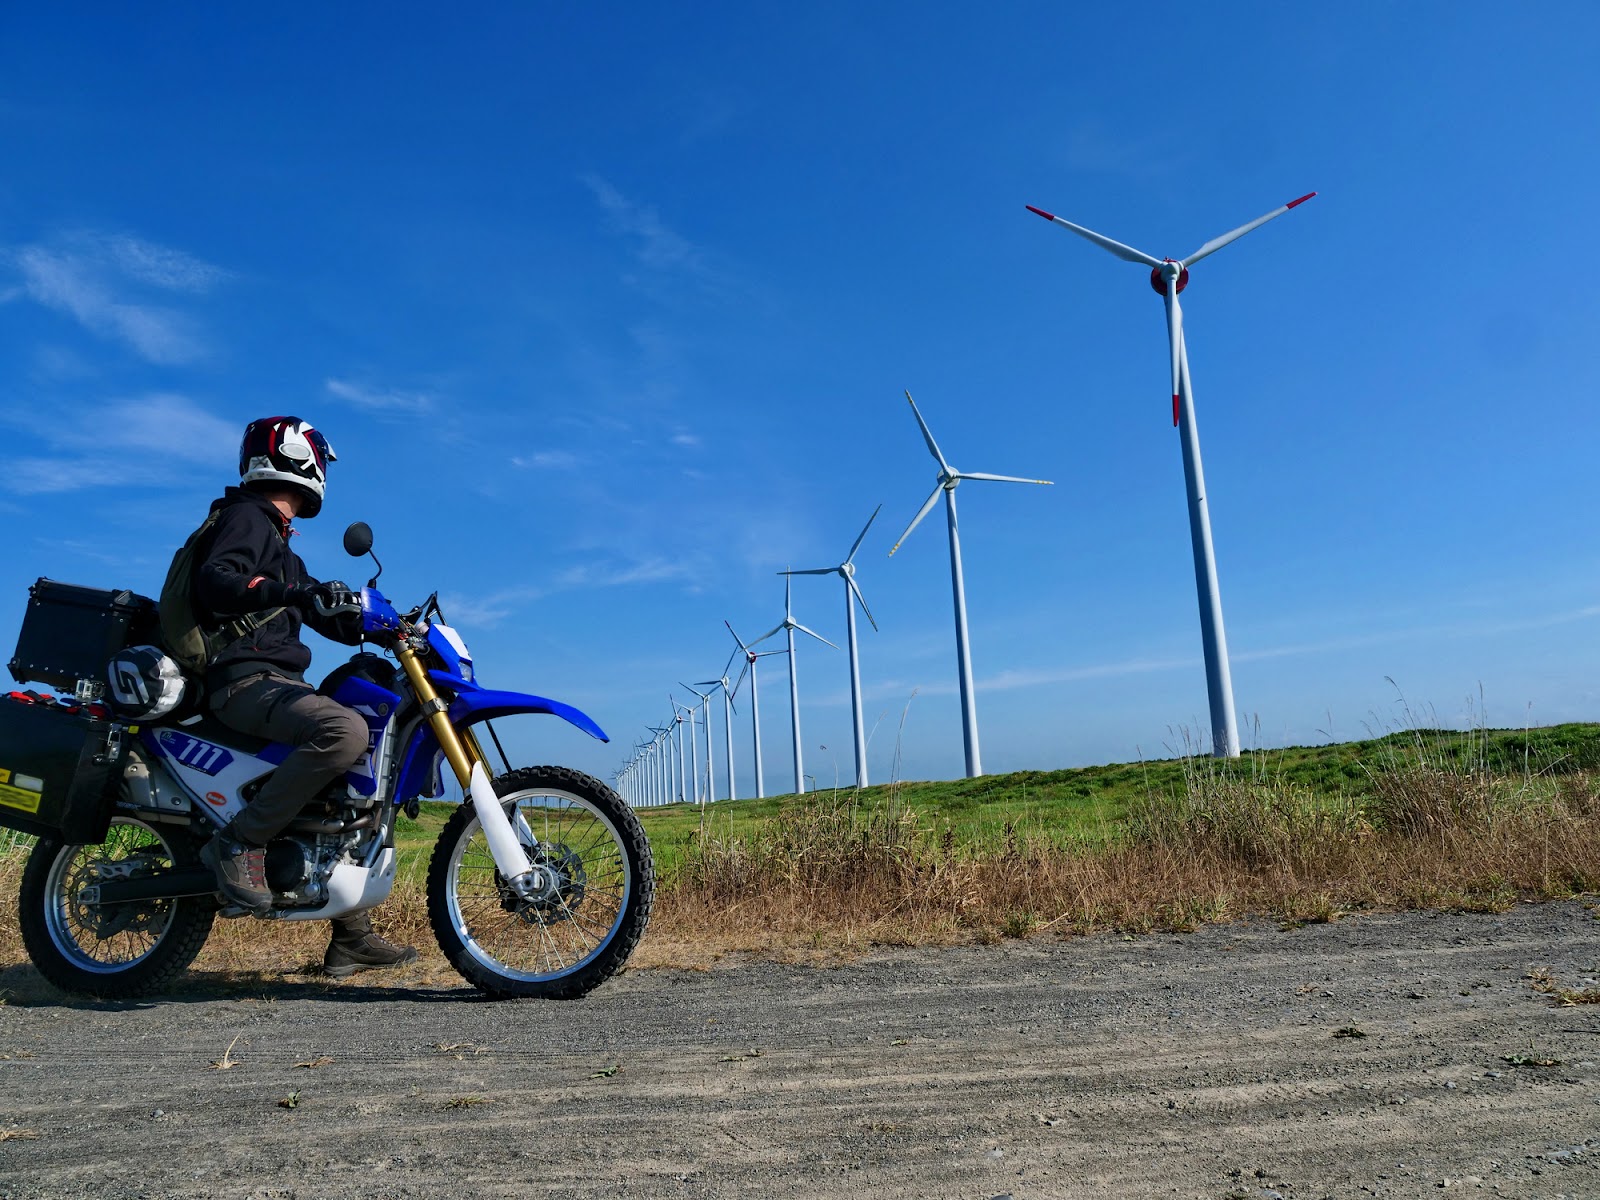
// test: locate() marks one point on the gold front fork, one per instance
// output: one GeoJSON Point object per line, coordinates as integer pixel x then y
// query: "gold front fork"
{"type": "Point", "coordinates": [510, 856]}
{"type": "Point", "coordinates": [461, 749]}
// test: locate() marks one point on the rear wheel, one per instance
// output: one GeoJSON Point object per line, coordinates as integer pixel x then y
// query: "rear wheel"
{"type": "Point", "coordinates": [594, 860]}
{"type": "Point", "coordinates": [111, 950]}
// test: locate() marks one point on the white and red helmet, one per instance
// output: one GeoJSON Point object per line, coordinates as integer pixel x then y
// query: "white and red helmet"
{"type": "Point", "coordinates": [286, 450]}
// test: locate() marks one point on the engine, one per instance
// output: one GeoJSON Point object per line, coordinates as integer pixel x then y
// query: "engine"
{"type": "Point", "coordinates": [298, 865]}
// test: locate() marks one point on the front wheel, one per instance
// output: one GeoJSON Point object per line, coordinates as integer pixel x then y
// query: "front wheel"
{"type": "Point", "coordinates": [115, 951]}
{"type": "Point", "coordinates": [599, 883]}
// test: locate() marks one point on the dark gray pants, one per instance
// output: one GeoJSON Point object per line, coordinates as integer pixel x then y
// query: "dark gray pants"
{"type": "Point", "coordinates": [328, 740]}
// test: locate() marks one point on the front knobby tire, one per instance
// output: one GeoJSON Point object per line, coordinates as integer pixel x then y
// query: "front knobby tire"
{"type": "Point", "coordinates": [595, 859]}
{"type": "Point", "coordinates": [117, 951]}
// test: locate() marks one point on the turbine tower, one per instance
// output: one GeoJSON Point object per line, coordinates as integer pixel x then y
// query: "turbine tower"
{"type": "Point", "coordinates": [659, 759]}
{"type": "Point", "coordinates": [948, 478]}
{"type": "Point", "coordinates": [852, 594]}
{"type": "Point", "coordinates": [685, 774]}
{"type": "Point", "coordinates": [1169, 277]}
{"type": "Point", "coordinates": [788, 626]}
{"type": "Point", "coordinates": [711, 775]}
{"type": "Point", "coordinates": [750, 656]}
{"type": "Point", "coordinates": [727, 721]}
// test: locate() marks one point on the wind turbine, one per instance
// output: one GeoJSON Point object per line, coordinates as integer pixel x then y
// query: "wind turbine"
{"type": "Point", "coordinates": [658, 762]}
{"type": "Point", "coordinates": [788, 626]}
{"type": "Point", "coordinates": [1168, 278]}
{"type": "Point", "coordinates": [750, 657]}
{"type": "Point", "coordinates": [948, 478]}
{"type": "Point", "coordinates": [727, 722]}
{"type": "Point", "coordinates": [852, 593]}
{"type": "Point", "coordinates": [685, 775]}
{"type": "Point", "coordinates": [711, 776]}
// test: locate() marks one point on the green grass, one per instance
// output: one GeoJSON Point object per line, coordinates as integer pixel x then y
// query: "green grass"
{"type": "Point", "coordinates": [1089, 806]}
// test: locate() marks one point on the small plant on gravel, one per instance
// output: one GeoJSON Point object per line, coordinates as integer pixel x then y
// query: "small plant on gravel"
{"type": "Point", "coordinates": [227, 1062]}
{"type": "Point", "coordinates": [1529, 1060]}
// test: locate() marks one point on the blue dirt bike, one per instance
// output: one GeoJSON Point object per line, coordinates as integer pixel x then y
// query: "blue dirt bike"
{"type": "Point", "coordinates": [540, 884]}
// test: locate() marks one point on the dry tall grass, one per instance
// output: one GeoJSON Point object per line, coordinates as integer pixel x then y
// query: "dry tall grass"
{"type": "Point", "coordinates": [827, 879]}
{"type": "Point", "coordinates": [831, 876]}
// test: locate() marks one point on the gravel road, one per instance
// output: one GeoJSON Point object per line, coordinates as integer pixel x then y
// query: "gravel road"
{"type": "Point", "coordinates": [1209, 1064]}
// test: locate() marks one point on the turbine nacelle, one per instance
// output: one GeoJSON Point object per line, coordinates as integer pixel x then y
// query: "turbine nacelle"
{"type": "Point", "coordinates": [1160, 275]}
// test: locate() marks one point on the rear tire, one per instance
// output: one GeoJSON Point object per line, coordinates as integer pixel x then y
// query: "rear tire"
{"type": "Point", "coordinates": [114, 951]}
{"type": "Point", "coordinates": [596, 859]}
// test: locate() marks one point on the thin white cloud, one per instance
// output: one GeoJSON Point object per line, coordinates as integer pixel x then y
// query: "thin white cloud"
{"type": "Point", "coordinates": [653, 570]}
{"type": "Point", "coordinates": [547, 460]}
{"type": "Point", "coordinates": [378, 400]}
{"type": "Point", "coordinates": [467, 611]}
{"type": "Point", "coordinates": [685, 439]}
{"type": "Point", "coordinates": [88, 276]}
{"type": "Point", "coordinates": [161, 266]}
{"type": "Point", "coordinates": [1014, 679]}
{"type": "Point", "coordinates": [131, 442]}
{"type": "Point", "coordinates": [497, 606]}
{"type": "Point", "coordinates": [656, 245]}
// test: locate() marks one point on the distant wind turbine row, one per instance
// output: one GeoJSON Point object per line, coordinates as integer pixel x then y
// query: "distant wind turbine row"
{"type": "Point", "coordinates": [649, 777]}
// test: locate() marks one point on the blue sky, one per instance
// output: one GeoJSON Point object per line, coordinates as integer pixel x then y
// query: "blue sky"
{"type": "Point", "coordinates": [609, 315]}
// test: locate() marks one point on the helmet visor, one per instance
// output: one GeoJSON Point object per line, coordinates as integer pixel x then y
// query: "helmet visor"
{"type": "Point", "coordinates": [320, 447]}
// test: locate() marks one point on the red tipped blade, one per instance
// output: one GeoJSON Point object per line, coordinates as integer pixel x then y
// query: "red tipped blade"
{"type": "Point", "coordinates": [1052, 216]}
{"type": "Point", "coordinates": [1175, 403]}
{"type": "Point", "coordinates": [1302, 200]}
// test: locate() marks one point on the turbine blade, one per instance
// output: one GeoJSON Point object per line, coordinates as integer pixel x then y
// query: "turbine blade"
{"type": "Point", "coordinates": [851, 556]}
{"type": "Point", "coordinates": [813, 571]}
{"type": "Point", "coordinates": [739, 683]}
{"type": "Point", "coordinates": [801, 628]}
{"type": "Point", "coordinates": [742, 646]}
{"type": "Point", "coordinates": [999, 478]}
{"type": "Point", "coordinates": [921, 512]}
{"type": "Point", "coordinates": [778, 628]}
{"type": "Point", "coordinates": [856, 591]}
{"type": "Point", "coordinates": [1175, 337]}
{"type": "Point", "coordinates": [1218, 243]}
{"type": "Point", "coordinates": [1126, 253]}
{"type": "Point", "coordinates": [927, 434]}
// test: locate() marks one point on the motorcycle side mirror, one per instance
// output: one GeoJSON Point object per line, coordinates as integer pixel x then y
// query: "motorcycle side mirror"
{"type": "Point", "coordinates": [358, 541]}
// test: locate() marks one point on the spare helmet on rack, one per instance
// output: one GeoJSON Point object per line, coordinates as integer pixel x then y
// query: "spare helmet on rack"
{"type": "Point", "coordinates": [287, 451]}
{"type": "Point", "coordinates": [146, 683]}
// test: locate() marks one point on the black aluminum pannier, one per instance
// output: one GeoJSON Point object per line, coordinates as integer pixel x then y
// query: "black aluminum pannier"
{"type": "Point", "coordinates": [60, 770]}
{"type": "Point", "coordinates": [70, 633]}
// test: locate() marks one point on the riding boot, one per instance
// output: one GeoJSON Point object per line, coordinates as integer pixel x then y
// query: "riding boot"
{"type": "Point", "coordinates": [356, 948]}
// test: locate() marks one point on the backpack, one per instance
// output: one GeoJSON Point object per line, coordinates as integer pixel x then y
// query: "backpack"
{"type": "Point", "coordinates": [191, 646]}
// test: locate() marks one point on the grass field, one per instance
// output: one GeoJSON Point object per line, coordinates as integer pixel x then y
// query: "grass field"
{"type": "Point", "coordinates": [1417, 818]}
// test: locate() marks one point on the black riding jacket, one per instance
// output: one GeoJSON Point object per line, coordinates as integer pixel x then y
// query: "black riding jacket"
{"type": "Point", "coordinates": [245, 565]}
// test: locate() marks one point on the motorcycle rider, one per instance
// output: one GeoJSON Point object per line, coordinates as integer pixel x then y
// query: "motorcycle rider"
{"type": "Point", "coordinates": [244, 567]}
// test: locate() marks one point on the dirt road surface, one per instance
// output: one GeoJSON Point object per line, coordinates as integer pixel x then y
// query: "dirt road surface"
{"type": "Point", "coordinates": [1207, 1064]}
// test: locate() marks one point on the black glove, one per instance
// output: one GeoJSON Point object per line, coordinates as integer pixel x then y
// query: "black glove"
{"type": "Point", "coordinates": [334, 608]}
{"type": "Point", "coordinates": [329, 599]}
